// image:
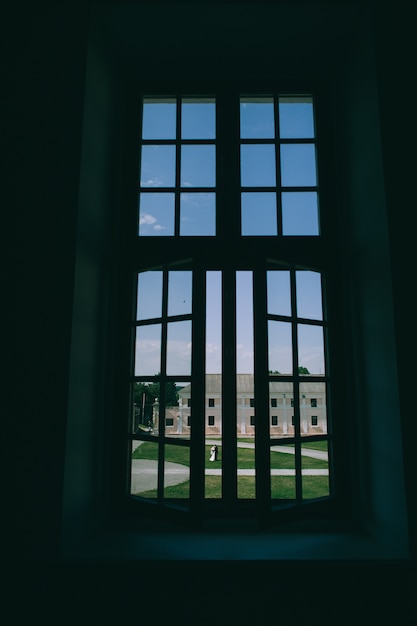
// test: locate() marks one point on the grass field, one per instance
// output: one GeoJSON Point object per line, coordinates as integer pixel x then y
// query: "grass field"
{"type": "Point", "coordinates": [245, 457]}
{"type": "Point", "coordinates": [282, 487]}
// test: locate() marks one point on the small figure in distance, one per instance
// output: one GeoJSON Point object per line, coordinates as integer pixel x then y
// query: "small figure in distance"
{"type": "Point", "coordinates": [213, 453]}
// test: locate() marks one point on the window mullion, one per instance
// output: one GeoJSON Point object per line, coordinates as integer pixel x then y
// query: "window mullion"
{"type": "Point", "coordinates": [229, 435]}
{"type": "Point", "coordinates": [296, 389]}
{"type": "Point", "coordinates": [261, 383]}
{"type": "Point", "coordinates": [278, 167]}
{"type": "Point", "coordinates": [162, 382]}
{"type": "Point", "coordinates": [228, 169]}
{"type": "Point", "coordinates": [197, 460]}
{"type": "Point", "coordinates": [177, 168]}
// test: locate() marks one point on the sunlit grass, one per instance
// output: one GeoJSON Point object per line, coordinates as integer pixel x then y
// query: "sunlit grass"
{"type": "Point", "coordinates": [245, 457]}
{"type": "Point", "coordinates": [316, 445]}
{"type": "Point", "coordinates": [282, 488]}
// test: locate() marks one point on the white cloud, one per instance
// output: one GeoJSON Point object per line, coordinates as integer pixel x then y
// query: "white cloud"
{"type": "Point", "coordinates": [145, 218]}
{"type": "Point", "coordinates": [159, 227]}
{"type": "Point", "coordinates": [152, 182]}
{"type": "Point", "coordinates": [178, 357]}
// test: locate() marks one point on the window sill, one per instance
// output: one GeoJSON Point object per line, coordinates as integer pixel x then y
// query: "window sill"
{"type": "Point", "coordinates": [151, 541]}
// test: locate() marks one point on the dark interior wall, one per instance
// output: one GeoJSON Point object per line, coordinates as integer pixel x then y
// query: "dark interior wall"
{"type": "Point", "coordinates": [396, 52]}
{"type": "Point", "coordinates": [49, 44]}
{"type": "Point", "coordinates": [89, 401]}
{"type": "Point", "coordinates": [375, 424]}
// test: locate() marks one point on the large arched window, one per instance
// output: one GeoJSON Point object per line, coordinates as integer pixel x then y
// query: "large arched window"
{"type": "Point", "coordinates": [232, 404]}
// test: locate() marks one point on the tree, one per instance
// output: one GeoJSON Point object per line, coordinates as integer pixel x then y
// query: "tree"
{"type": "Point", "coordinates": [152, 392]}
{"type": "Point", "coordinates": [301, 370]}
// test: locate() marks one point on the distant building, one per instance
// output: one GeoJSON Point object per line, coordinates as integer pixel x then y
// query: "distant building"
{"type": "Point", "coordinates": [313, 418]}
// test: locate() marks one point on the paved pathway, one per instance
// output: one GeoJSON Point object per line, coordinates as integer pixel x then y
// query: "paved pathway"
{"type": "Point", "coordinates": [144, 471]}
{"type": "Point", "coordinates": [145, 475]}
{"type": "Point", "coordinates": [314, 454]}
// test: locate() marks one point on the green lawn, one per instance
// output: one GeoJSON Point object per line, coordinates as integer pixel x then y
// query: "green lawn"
{"type": "Point", "coordinates": [245, 457]}
{"type": "Point", "coordinates": [282, 487]}
{"type": "Point", "coordinates": [317, 445]}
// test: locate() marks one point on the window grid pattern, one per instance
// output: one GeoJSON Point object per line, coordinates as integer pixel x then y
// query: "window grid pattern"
{"type": "Point", "coordinates": [282, 197]}
{"type": "Point", "coordinates": [300, 376]}
{"type": "Point", "coordinates": [169, 203]}
{"type": "Point", "coordinates": [158, 379]}
{"type": "Point", "coordinates": [170, 191]}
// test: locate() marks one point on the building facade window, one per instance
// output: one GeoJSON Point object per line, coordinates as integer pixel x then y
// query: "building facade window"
{"type": "Point", "coordinates": [313, 402]}
{"type": "Point", "coordinates": [314, 420]}
{"type": "Point", "coordinates": [252, 328]}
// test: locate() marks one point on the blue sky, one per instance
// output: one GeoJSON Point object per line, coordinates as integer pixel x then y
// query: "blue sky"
{"type": "Point", "coordinates": [149, 305]}
{"type": "Point", "coordinates": [198, 168]}
{"type": "Point", "coordinates": [259, 217]}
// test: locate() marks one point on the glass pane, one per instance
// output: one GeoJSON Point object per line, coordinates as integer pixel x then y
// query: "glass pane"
{"type": "Point", "coordinates": [245, 407]}
{"type": "Point", "coordinates": [313, 412]}
{"type": "Point", "coordinates": [159, 119]}
{"type": "Point", "coordinates": [173, 418]}
{"type": "Point", "coordinates": [177, 472]}
{"type": "Point", "coordinates": [198, 119]}
{"type": "Point", "coordinates": [279, 347]}
{"type": "Point", "coordinates": [198, 166]}
{"type": "Point", "coordinates": [296, 118]}
{"type": "Point", "coordinates": [145, 407]}
{"type": "Point", "coordinates": [183, 394]}
{"type": "Point", "coordinates": [246, 487]}
{"type": "Point", "coordinates": [282, 472]}
{"type": "Point", "coordinates": [244, 323]}
{"type": "Point", "coordinates": [257, 118]}
{"type": "Point", "coordinates": [258, 166]}
{"type": "Point", "coordinates": [279, 292]}
{"type": "Point", "coordinates": [156, 214]}
{"type": "Point", "coordinates": [213, 436]}
{"type": "Point", "coordinates": [213, 323]}
{"type": "Point", "coordinates": [300, 213]}
{"type": "Point", "coordinates": [148, 350]}
{"type": "Point", "coordinates": [144, 475]}
{"type": "Point", "coordinates": [179, 348]}
{"type": "Point", "coordinates": [298, 165]}
{"type": "Point", "coordinates": [311, 348]}
{"type": "Point", "coordinates": [158, 166]}
{"type": "Point", "coordinates": [259, 213]}
{"type": "Point", "coordinates": [245, 385]}
{"type": "Point", "coordinates": [149, 303]}
{"type": "Point", "coordinates": [315, 469]}
{"type": "Point", "coordinates": [180, 285]}
{"type": "Point", "coordinates": [198, 214]}
{"type": "Point", "coordinates": [309, 302]}
{"type": "Point", "coordinates": [280, 410]}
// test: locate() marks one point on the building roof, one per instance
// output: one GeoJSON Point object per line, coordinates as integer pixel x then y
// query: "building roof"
{"type": "Point", "coordinates": [245, 385]}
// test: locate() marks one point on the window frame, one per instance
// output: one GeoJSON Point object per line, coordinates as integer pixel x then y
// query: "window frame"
{"type": "Point", "coordinates": [304, 251]}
